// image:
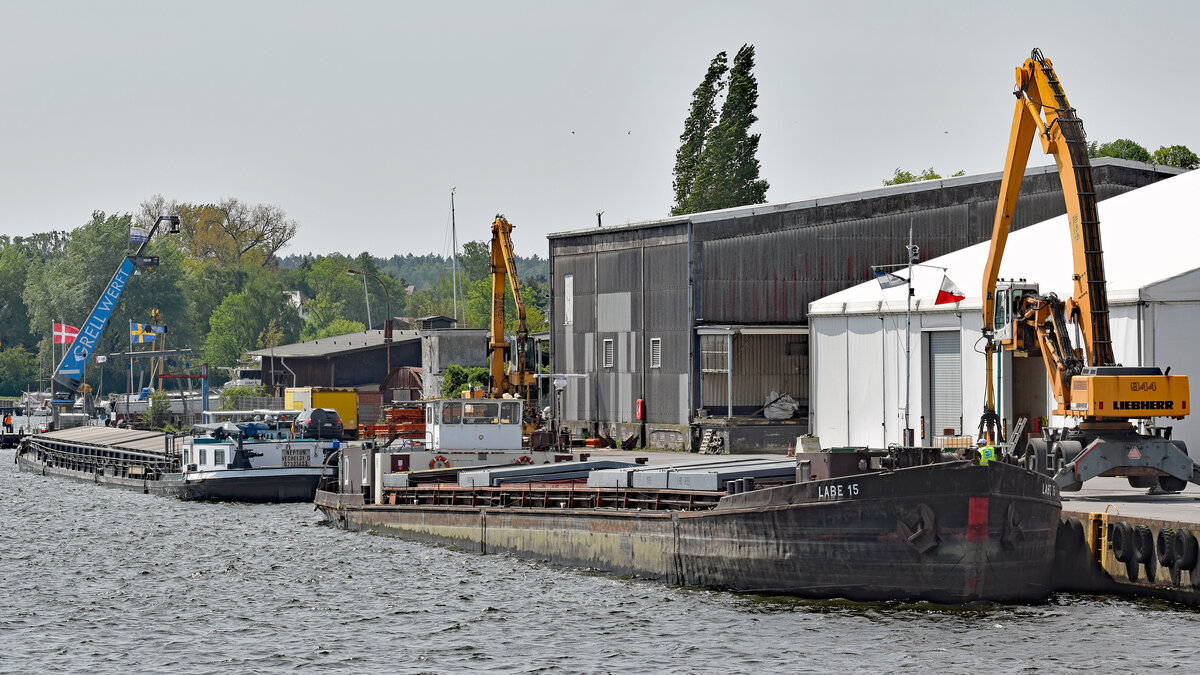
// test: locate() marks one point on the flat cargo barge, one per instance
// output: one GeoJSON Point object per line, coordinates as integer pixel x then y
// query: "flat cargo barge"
{"type": "Point", "coordinates": [185, 467]}
{"type": "Point", "coordinates": [946, 532]}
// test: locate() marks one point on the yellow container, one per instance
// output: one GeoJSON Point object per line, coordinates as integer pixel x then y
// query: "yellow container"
{"type": "Point", "coordinates": [344, 401]}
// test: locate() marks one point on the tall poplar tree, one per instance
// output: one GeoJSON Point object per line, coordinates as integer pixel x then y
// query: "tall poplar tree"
{"type": "Point", "coordinates": [700, 120]}
{"type": "Point", "coordinates": [726, 172]}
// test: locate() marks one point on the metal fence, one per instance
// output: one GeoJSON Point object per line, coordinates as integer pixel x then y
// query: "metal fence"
{"type": "Point", "coordinates": [260, 403]}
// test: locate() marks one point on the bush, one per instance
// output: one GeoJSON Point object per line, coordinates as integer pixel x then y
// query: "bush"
{"type": "Point", "coordinates": [457, 378]}
{"type": "Point", "coordinates": [159, 411]}
{"type": "Point", "coordinates": [229, 395]}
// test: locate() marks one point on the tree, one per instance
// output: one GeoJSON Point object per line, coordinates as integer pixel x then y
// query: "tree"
{"type": "Point", "coordinates": [475, 262]}
{"type": "Point", "coordinates": [902, 176]}
{"type": "Point", "coordinates": [477, 312]}
{"type": "Point", "coordinates": [158, 412]}
{"type": "Point", "coordinates": [18, 370]}
{"type": "Point", "coordinates": [229, 395]}
{"type": "Point", "coordinates": [241, 319]}
{"type": "Point", "coordinates": [1122, 148]}
{"type": "Point", "coordinates": [727, 174]}
{"type": "Point", "coordinates": [262, 229]}
{"type": "Point", "coordinates": [702, 115]}
{"type": "Point", "coordinates": [1176, 155]}
{"type": "Point", "coordinates": [456, 378]}
{"type": "Point", "coordinates": [14, 315]}
{"type": "Point", "coordinates": [339, 327]}
{"type": "Point", "coordinates": [229, 232]}
{"type": "Point", "coordinates": [325, 319]}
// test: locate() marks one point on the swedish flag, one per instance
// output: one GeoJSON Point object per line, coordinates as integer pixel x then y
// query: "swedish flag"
{"type": "Point", "coordinates": [141, 332]}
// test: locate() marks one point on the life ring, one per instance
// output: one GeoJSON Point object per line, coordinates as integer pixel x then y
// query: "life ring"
{"type": "Point", "coordinates": [439, 462]}
{"type": "Point", "coordinates": [524, 459]}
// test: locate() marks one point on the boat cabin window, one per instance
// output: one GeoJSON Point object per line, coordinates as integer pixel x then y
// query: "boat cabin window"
{"type": "Point", "coordinates": [481, 413]}
{"type": "Point", "coordinates": [429, 415]}
{"type": "Point", "coordinates": [219, 457]}
{"type": "Point", "coordinates": [451, 413]}
{"type": "Point", "coordinates": [187, 455]}
{"type": "Point", "coordinates": [203, 456]}
{"type": "Point", "coordinates": [510, 412]}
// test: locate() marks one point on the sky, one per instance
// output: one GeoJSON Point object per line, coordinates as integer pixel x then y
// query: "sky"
{"type": "Point", "coordinates": [358, 118]}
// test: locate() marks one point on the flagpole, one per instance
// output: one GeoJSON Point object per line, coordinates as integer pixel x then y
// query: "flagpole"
{"type": "Point", "coordinates": [908, 440]}
{"type": "Point", "coordinates": [129, 391]}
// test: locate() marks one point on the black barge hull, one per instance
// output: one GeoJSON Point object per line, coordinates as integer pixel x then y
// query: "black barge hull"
{"type": "Point", "coordinates": [946, 533]}
{"type": "Point", "coordinates": [262, 489]}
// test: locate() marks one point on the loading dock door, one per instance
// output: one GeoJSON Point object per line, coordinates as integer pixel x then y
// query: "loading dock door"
{"type": "Point", "coordinates": [945, 382]}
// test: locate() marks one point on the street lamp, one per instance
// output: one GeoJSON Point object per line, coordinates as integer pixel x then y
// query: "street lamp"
{"type": "Point", "coordinates": [387, 326]}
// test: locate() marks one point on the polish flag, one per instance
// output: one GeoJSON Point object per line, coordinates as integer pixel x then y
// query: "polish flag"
{"type": "Point", "coordinates": [948, 292]}
{"type": "Point", "coordinates": [64, 334]}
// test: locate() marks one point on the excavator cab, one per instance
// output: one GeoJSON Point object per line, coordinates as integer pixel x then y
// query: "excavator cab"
{"type": "Point", "coordinates": [1009, 294]}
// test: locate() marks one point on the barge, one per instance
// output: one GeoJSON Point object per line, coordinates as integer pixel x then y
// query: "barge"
{"type": "Point", "coordinates": [226, 463]}
{"type": "Point", "coordinates": [900, 523]}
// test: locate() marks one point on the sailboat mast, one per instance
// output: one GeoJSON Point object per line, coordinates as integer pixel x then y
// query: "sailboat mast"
{"type": "Point", "coordinates": [454, 255]}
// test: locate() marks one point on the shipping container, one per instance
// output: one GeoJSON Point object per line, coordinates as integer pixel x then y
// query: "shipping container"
{"type": "Point", "coordinates": [344, 401]}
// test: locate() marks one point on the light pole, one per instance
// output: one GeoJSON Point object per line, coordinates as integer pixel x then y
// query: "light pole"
{"type": "Point", "coordinates": [387, 326]}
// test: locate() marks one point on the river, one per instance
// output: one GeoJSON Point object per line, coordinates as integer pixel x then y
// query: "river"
{"type": "Point", "coordinates": [100, 580]}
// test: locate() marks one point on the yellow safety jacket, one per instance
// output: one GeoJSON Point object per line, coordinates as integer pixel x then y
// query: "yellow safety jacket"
{"type": "Point", "coordinates": [987, 454]}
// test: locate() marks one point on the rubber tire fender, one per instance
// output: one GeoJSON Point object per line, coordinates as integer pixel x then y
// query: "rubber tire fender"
{"type": "Point", "coordinates": [1164, 546]}
{"type": "Point", "coordinates": [1143, 543]}
{"type": "Point", "coordinates": [1121, 540]}
{"type": "Point", "coordinates": [1185, 549]}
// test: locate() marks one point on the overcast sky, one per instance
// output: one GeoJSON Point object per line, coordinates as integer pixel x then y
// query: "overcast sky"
{"type": "Point", "coordinates": [357, 118]}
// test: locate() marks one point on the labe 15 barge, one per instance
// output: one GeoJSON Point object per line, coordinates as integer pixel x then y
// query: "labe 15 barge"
{"type": "Point", "coordinates": [867, 525]}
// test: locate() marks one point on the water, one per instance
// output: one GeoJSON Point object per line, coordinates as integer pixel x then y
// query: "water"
{"type": "Point", "coordinates": [101, 580]}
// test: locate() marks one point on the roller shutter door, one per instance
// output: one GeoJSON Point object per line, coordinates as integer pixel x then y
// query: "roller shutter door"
{"type": "Point", "coordinates": [945, 382]}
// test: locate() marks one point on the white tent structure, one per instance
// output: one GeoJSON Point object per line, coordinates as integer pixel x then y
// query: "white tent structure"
{"type": "Point", "coordinates": [1151, 241]}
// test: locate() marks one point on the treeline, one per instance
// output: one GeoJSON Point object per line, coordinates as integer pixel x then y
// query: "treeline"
{"type": "Point", "coordinates": [423, 271]}
{"type": "Point", "coordinates": [221, 288]}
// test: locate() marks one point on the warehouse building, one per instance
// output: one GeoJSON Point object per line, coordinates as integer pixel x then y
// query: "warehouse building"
{"type": "Point", "coordinates": [681, 330]}
{"type": "Point", "coordinates": [360, 360]}
{"type": "Point", "coordinates": [859, 334]}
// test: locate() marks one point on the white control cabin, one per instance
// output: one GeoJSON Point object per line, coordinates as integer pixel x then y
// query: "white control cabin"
{"type": "Point", "coordinates": [473, 424]}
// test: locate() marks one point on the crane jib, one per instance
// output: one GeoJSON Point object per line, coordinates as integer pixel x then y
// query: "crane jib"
{"type": "Point", "coordinates": [70, 370]}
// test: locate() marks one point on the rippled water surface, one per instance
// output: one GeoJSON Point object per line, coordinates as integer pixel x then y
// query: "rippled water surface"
{"type": "Point", "coordinates": [101, 580]}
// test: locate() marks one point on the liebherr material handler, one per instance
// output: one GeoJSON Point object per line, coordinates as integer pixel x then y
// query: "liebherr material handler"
{"type": "Point", "coordinates": [1105, 398]}
{"type": "Point", "coordinates": [508, 375]}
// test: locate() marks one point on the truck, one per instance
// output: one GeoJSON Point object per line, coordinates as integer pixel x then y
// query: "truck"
{"type": "Point", "coordinates": [1110, 408]}
{"type": "Point", "coordinates": [344, 401]}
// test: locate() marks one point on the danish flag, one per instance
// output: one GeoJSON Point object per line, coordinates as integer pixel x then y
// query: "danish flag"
{"type": "Point", "coordinates": [64, 334]}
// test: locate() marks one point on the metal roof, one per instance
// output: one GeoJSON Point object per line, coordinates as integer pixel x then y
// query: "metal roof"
{"type": "Point", "coordinates": [340, 344]}
{"type": "Point", "coordinates": [113, 437]}
{"type": "Point", "coordinates": [845, 197]}
{"type": "Point", "coordinates": [1148, 237]}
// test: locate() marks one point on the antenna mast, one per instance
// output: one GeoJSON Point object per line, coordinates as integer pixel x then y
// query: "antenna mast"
{"type": "Point", "coordinates": [454, 255]}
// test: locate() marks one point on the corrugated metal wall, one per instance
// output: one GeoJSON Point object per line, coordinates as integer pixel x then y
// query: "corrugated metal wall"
{"type": "Point", "coordinates": [610, 303]}
{"type": "Point", "coordinates": [766, 269]}
{"type": "Point", "coordinates": [632, 284]}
